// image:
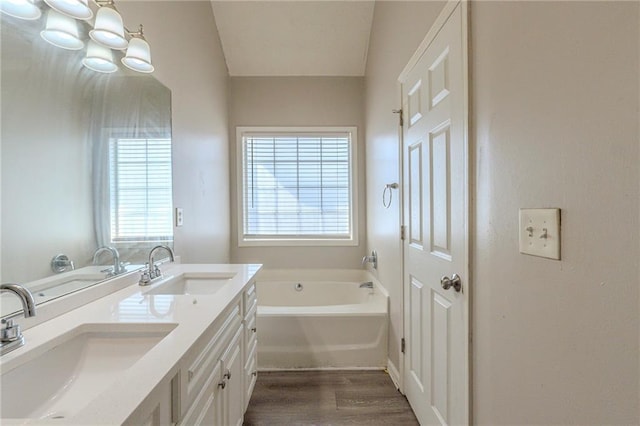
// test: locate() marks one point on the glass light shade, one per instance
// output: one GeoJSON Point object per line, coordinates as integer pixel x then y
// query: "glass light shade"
{"type": "Point", "coordinates": [109, 29]}
{"type": "Point", "coordinates": [99, 58]}
{"type": "Point", "coordinates": [138, 57]}
{"type": "Point", "coordinates": [61, 31]}
{"type": "Point", "coordinates": [23, 9]}
{"type": "Point", "coordinates": [78, 9]}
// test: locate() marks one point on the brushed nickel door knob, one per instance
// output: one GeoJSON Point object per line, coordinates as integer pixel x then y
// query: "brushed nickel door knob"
{"type": "Point", "coordinates": [454, 282]}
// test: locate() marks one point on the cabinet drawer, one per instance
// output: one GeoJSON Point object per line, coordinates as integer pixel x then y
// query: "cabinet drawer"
{"type": "Point", "coordinates": [199, 367]}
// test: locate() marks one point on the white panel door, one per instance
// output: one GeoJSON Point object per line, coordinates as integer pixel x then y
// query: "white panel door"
{"type": "Point", "coordinates": [436, 373]}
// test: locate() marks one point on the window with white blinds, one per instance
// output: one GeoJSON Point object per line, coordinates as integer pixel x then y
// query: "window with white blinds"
{"type": "Point", "coordinates": [140, 190]}
{"type": "Point", "coordinates": [297, 186]}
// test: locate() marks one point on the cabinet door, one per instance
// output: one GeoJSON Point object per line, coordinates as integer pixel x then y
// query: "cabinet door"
{"type": "Point", "coordinates": [233, 393]}
{"type": "Point", "coordinates": [250, 374]}
{"type": "Point", "coordinates": [207, 408]}
{"type": "Point", "coordinates": [156, 409]}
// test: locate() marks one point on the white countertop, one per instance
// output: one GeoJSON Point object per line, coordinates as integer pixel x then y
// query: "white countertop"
{"type": "Point", "coordinates": [193, 314]}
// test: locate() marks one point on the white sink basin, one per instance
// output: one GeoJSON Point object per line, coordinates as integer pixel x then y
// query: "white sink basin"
{"type": "Point", "coordinates": [50, 289]}
{"type": "Point", "coordinates": [74, 368]}
{"type": "Point", "coordinates": [193, 283]}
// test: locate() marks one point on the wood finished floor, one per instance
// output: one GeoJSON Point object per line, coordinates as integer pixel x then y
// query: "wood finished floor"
{"type": "Point", "coordinates": [327, 398]}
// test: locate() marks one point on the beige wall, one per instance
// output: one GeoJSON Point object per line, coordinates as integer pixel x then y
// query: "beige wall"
{"type": "Point", "coordinates": [398, 28]}
{"type": "Point", "coordinates": [297, 101]}
{"type": "Point", "coordinates": [188, 58]}
{"type": "Point", "coordinates": [555, 123]}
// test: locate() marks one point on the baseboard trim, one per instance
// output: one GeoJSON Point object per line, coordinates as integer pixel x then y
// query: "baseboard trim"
{"type": "Point", "coordinates": [393, 373]}
{"type": "Point", "coordinates": [268, 369]}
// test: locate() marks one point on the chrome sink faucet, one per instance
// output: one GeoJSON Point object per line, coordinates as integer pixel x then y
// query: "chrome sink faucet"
{"type": "Point", "coordinates": [152, 271]}
{"type": "Point", "coordinates": [118, 268]}
{"type": "Point", "coordinates": [10, 334]}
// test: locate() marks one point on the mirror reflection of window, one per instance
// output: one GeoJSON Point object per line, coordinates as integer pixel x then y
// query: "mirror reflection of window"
{"type": "Point", "coordinates": [140, 190]}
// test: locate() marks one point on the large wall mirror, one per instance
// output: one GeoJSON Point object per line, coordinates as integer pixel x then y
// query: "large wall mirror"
{"type": "Point", "coordinates": [85, 162]}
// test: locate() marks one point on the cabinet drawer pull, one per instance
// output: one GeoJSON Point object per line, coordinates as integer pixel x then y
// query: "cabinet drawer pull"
{"type": "Point", "coordinates": [254, 374]}
{"type": "Point", "coordinates": [222, 384]}
{"type": "Point", "coordinates": [227, 374]}
{"type": "Point", "coordinates": [254, 329]}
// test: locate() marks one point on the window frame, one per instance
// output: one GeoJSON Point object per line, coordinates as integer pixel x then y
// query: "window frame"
{"type": "Point", "coordinates": [288, 241]}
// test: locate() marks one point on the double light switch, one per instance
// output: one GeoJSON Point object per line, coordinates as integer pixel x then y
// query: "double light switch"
{"type": "Point", "coordinates": [540, 232]}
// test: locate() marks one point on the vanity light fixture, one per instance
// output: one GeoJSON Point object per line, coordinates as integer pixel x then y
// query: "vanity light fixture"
{"type": "Point", "coordinates": [99, 58]}
{"type": "Point", "coordinates": [78, 9]}
{"type": "Point", "coordinates": [109, 28]}
{"type": "Point", "coordinates": [138, 57]}
{"type": "Point", "coordinates": [62, 31]}
{"type": "Point", "coordinates": [23, 9]}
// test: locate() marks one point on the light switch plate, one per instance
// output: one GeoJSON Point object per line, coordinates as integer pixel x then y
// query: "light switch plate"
{"type": "Point", "coordinates": [540, 232]}
{"type": "Point", "coordinates": [179, 216]}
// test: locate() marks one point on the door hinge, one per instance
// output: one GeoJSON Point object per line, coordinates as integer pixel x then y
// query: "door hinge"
{"type": "Point", "coordinates": [403, 229]}
{"type": "Point", "coordinates": [399, 112]}
{"type": "Point", "coordinates": [402, 345]}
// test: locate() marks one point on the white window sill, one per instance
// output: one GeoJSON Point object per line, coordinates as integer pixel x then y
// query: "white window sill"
{"type": "Point", "coordinates": [297, 242]}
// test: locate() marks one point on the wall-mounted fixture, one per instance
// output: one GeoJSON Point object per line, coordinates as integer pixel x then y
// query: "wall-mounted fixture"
{"type": "Point", "coordinates": [107, 35]}
{"type": "Point", "coordinates": [373, 259]}
{"type": "Point", "coordinates": [108, 29]}
{"type": "Point", "coordinates": [61, 263]}
{"type": "Point", "coordinates": [99, 58]}
{"type": "Point", "coordinates": [78, 9]}
{"type": "Point", "coordinates": [388, 188]}
{"type": "Point", "coordinates": [61, 31]}
{"type": "Point", "coordinates": [138, 57]}
{"type": "Point", "coordinates": [22, 9]}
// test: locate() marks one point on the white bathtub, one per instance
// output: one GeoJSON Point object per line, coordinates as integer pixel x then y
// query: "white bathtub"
{"type": "Point", "coordinates": [320, 319]}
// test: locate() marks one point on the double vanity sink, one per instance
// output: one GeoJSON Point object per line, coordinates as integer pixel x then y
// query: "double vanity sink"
{"type": "Point", "coordinates": [193, 283]}
{"type": "Point", "coordinates": [99, 362]}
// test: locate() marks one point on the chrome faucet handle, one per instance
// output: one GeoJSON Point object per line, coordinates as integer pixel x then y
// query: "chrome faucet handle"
{"type": "Point", "coordinates": [10, 332]}
{"type": "Point", "coordinates": [156, 272]}
{"type": "Point", "coordinates": [145, 276]}
{"type": "Point", "coordinates": [145, 279]}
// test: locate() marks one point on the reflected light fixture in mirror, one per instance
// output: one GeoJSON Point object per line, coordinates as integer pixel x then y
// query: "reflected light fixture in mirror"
{"type": "Point", "coordinates": [109, 28]}
{"type": "Point", "coordinates": [99, 58]}
{"type": "Point", "coordinates": [138, 57]}
{"type": "Point", "coordinates": [23, 9]}
{"type": "Point", "coordinates": [62, 31]}
{"type": "Point", "coordinates": [78, 9]}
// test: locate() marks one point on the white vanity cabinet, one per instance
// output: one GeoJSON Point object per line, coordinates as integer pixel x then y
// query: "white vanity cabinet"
{"type": "Point", "coordinates": [218, 374]}
{"type": "Point", "coordinates": [250, 343]}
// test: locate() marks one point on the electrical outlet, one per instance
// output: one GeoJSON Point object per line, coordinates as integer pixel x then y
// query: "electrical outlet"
{"type": "Point", "coordinates": [179, 216]}
{"type": "Point", "coordinates": [540, 232]}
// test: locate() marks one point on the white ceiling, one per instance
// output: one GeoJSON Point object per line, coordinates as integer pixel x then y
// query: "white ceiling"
{"type": "Point", "coordinates": [294, 38]}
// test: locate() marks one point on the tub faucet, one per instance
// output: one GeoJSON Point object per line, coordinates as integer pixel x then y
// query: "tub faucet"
{"type": "Point", "coordinates": [373, 259]}
{"type": "Point", "coordinates": [368, 284]}
{"type": "Point", "coordinates": [153, 271]}
{"type": "Point", "coordinates": [10, 335]}
{"type": "Point", "coordinates": [118, 268]}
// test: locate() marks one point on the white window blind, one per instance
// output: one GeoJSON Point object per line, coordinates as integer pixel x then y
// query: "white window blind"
{"type": "Point", "coordinates": [140, 190]}
{"type": "Point", "coordinates": [297, 186]}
